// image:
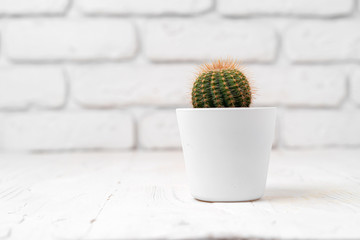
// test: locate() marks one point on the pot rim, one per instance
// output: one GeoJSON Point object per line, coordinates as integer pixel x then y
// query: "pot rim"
{"type": "Point", "coordinates": [226, 109]}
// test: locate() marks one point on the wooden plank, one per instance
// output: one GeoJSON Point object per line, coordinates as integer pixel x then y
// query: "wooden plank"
{"type": "Point", "coordinates": [310, 195]}
{"type": "Point", "coordinates": [59, 192]}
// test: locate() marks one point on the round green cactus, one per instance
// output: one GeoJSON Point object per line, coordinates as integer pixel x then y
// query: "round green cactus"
{"type": "Point", "coordinates": [221, 84]}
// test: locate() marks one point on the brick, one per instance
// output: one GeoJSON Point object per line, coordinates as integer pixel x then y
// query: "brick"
{"type": "Point", "coordinates": [22, 87]}
{"type": "Point", "coordinates": [154, 7]}
{"type": "Point", "coordinates": [322, 41]}
{"type": "Point", "coordinates": [159, 130]}
{"type": "Point", "coordinates": [175, 40]}
{"type": "Point", "coordinates": [322, 128]}
{"type": "Point", "coordinates": [317, 8]}
{"type": "Point", "coordinates": [355, 87]}
{"type": "Point", "coordinates": [130, 84]}
{"type": "Point", "coordinates": [32, 7]}
{"type": "Point", "coordinates": [55, 39]}
{"type": "Point", "coordinates": [66, 130]}
{"type": "Point", "coordinates": [298, 86]}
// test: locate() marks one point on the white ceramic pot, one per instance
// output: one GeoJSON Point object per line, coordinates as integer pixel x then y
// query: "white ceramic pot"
{"type": "Point", "coordinates": [226, 151]}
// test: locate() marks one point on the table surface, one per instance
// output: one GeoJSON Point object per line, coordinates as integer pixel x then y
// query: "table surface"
{"type": "Point", "coordinates": [143, 195]}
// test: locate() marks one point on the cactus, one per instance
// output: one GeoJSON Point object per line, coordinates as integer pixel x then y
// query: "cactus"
{"type": "Point", "coordinates": [221, 84]}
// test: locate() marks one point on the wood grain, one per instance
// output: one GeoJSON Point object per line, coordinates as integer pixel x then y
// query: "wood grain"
{"type": "Point", "coordinates": [310, 195]}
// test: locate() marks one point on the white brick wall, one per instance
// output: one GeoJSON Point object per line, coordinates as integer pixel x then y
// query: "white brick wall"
{"type": "Point", "coordinates": [320, 8]}
{"type": "Point", "coordinates": [308, 128]}
{"type": "Point", "coordinates": [323, 41]}
{"type": "Point", "coordinates": [66, 131]}
{"type": "Point", "coordinates": [131, 84]}
{"type": "Point", "coordinates": [174, 40]}
{"type": "Point", "coordinates": [298, 86]}
{"type": "Point", "coordinates": [22, 87]}
{"type": "Point", "coordinates": [32, 7]}
{"type": "Point", "coordinates": [159, 130]}
{"type": "Point", "coordinates": [355, 87]}
{"type": "Point", "coordinates": [72, 71]}
{"type": "Point", "coordinates": [51, 40]}
{"type": "Point", "coordinates": [146, 7]}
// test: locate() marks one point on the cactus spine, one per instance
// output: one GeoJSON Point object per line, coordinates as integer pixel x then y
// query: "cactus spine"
{"type": "Point", "coordinates": [221, 84]}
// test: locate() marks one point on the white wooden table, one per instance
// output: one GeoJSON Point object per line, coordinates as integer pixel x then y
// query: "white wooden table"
{"type": "Point", "coordinates": [310, 195]}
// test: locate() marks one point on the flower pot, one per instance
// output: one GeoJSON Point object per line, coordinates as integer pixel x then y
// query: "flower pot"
{"type": "Point", "coordinates": [226, 151]}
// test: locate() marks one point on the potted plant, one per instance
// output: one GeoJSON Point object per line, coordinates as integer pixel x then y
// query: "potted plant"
{"type": "Point", "coordinates": [226, 143]}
